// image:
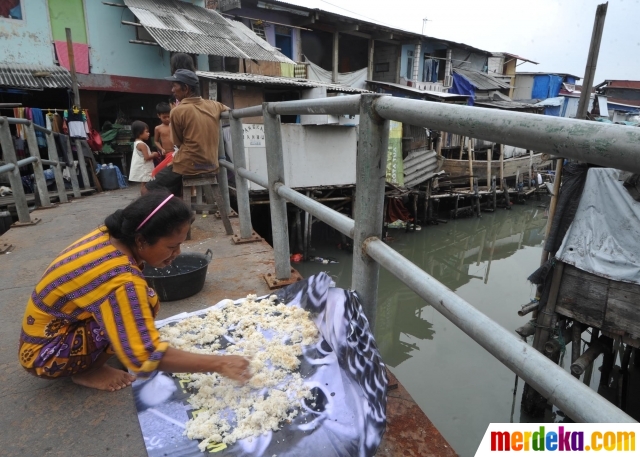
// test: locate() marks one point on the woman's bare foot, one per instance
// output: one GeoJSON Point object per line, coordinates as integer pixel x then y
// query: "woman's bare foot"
{"type": "Point", "coordinates": [104, 378]}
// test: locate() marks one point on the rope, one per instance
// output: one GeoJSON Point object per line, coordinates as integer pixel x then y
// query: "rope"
{"type": "Point", "coordinates": [555, 334]}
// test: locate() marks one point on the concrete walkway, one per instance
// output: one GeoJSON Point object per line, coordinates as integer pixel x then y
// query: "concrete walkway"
{"type": "Point", "coordinates": [59, 418]}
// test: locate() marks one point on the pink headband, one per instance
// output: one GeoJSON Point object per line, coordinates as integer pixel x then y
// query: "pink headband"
{"type": "Point", "coordinates": [154, 212]}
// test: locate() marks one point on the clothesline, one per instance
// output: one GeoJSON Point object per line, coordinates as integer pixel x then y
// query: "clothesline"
{"type": "Point", "coordinates": [48, 110]}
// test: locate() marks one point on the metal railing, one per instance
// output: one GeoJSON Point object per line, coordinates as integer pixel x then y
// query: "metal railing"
{"type": "Point", "coordinates": [12, 166]}
{"type": "Point", "coordinates": [603, 144]}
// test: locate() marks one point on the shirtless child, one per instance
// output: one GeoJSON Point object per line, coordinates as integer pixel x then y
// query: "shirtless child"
{"type": "Point", "coordinates": [162, 133]}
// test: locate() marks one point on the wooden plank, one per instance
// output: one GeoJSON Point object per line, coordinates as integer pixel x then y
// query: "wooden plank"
{"type": "Point", "coordinates": [623, 312]}
{"type": "Point", "coordinates": [547, 318]}
{"type": "Point", "coordinates": [199, 181]}
{"type": "Point", "coordinates": [633, 289]}
{"type": "Point", "coordinates": [509, 167]}
{"type": "Point", "coordinates": [582, 299]}
{"type": "Point", "coordinates": [584, 275]}
{"type": "Point", "coordinates": [246, 96]}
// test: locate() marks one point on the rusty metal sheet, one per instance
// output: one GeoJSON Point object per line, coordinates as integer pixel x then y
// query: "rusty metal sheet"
{"type": "Point", "coordinates": [409, 431]}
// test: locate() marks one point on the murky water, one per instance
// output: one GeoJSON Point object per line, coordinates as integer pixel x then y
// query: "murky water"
{"type": "Point", "coordinates": [486, 261]}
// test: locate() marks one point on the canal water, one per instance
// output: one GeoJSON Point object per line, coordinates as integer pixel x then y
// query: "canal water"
{"type": "Point", "coordinates": [486, 261]}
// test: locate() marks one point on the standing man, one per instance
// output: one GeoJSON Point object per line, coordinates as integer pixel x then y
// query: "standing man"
{"type": "Point", "coordinates": [195, 129]}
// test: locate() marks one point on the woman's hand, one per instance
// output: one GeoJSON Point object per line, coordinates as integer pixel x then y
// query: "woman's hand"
{"type": "Point", "coordinates": [234, 367]}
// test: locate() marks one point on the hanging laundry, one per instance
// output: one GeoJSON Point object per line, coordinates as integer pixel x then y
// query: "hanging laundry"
{"type": "Point", "coordinates": [37, 117]}
{"type": "Point", "coordinates": [435, 67]}
{"type": "Point", "coordinates": [76, 123]}
{"type": "Point", "coordinates": [57, 123]}
{"type": "Point", "coordinates": [19, 113]}
{"type": "Point", "coordinates": [427, 69]}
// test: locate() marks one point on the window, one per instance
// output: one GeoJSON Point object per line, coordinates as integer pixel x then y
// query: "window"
{"type": "Point", "coordinates": [409, 65]}
{"type": "Point", "coordinates": [11, 9]}
{"type": "Point", "coordinates": [382, 67]}
{"type": "Point", "coordinates": [258, 29]}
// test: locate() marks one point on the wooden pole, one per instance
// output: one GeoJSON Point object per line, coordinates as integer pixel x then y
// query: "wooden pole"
{"type": "Point", "coordinates": [580, 365]}
{"type": "Point", "coordinates": [576, 342]}
{"type": "Point", "coordinates": [592, 61]}
{"type": "Point", "coordinates": [489, 157]}
{"type": "Point", "coordinates": [72, 69]}
{"type": "Point", "coordinates": [547, 317]}
{"type": "Point", "coordinates": [370, 59]}
{"type": "Point", "coordinates": [307, 221]}
{"type": "Point", "coordinates": [502, 167]}
{"type": "Point", "coordinates": [439, 144]}
{"type": "Point", "coordinates": [494, 199]}
{"type": "Point", "coordinates": [552, 207]}
{"type": "Point", "coordinates": [426, 203]}
{"type": "Point", "coordinates": [471, 163]}
{"type": "Point", "coordinates": [530, 168]}
{"type": "Point", "coordinates": [334, 66]}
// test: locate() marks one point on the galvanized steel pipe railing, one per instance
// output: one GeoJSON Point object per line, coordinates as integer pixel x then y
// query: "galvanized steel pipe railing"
{"type": "Point", "coordinates": [609, 145]}
{"type": "Point", "coordinates": [371, 170]}
{"type": "Point", "coordinates": [9, 156]}
{"type": "Point", "coordinates": [349, 104]}
{"type": "Point", "coordinates": [7, 168]}
{"type": "Point", "coordinates": [577, 400]}
{"type": "Point", "coordinates": [242, 187]}
{"type": "Point", "coordinates": [222, 177]}
{"type": "Point", "coordinates": [278, 205]}
{"type": "Point", "coordinates": [337, 220]}
{"type": "Point", "coordinates": [244, 173]}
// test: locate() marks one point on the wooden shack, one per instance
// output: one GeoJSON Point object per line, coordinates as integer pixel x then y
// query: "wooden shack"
{"type": "Point", "coordinates": [594, 284]}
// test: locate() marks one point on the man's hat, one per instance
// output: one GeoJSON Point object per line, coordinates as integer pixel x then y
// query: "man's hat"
{"type": "Point", "coordinates": [184, 76]}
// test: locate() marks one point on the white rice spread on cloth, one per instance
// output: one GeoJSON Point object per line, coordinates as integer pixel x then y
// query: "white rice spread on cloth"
{"type": "Point", "coordinates": [272, 336]}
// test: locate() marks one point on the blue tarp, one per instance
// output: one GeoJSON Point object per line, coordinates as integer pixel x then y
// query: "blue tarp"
{"type": "Point", "coordinates": [546, 86]}
{"type": "Point", "coordinates": [462, 86]}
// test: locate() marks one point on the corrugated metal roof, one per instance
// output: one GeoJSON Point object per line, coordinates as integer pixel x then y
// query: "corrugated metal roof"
{"type": "Point", "coordinates": [35, 77]}
{"type": "Point", "coordinates": [507, 105]}
{"type": "Point", "coordinates": [261, 80]}
{"type": "Point", "coordinates": [431, 93]}
{"type": "Point", "coordinates": [182, 27]}
{"type": "Point", "coordinates": [419, 166]}
{"type": "Point", "coordinates": [482, 81]}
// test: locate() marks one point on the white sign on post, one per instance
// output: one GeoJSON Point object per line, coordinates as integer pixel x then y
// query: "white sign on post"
{"type": "Point", "coordinates": [253, 135]}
